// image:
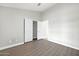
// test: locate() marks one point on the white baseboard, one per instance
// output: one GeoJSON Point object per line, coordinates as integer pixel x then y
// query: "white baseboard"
{"type": "Point", "coordinates": [2, 48]}
{"type": "Point", "coordinates": [62, 43]}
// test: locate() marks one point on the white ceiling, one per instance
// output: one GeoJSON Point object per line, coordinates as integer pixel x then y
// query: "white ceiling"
{"type": "Point", "coordinates": [29, 6]}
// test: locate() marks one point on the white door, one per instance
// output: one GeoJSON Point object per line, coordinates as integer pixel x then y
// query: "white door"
{"type": "Point", "coordinates": [28, 30]}
{"type": "Point", "coordinates": [42, 30]}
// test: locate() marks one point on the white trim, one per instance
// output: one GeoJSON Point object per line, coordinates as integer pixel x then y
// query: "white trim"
{"type": "Point", "coordinates": [74, 47]}
{"type": "Point", "coordinates": [11, 46]}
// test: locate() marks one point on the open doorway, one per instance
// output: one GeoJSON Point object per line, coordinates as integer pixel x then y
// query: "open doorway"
{"type": "Point", "coordinates": [34, 30]}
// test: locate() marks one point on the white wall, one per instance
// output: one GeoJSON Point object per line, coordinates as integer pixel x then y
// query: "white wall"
{"type": "Point", "coordinates": [12, 25]}
{"type": "Point", "coordinates": [63, 24]}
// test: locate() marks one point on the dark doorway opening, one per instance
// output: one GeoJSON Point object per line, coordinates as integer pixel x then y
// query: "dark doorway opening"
{"type": "Point", "coordinates": [34, 30]}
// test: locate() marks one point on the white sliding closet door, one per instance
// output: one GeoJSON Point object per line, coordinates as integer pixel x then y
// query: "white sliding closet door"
{"type": "Point", "coordinates": [28, 30]}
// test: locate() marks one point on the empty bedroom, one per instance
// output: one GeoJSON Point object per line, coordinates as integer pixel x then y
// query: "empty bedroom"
{"type": "Point", "coordinates": [39, 29]}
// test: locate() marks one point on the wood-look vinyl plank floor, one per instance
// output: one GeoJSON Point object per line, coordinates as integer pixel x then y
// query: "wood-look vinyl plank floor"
{"type": "Point", "coordinates": [40, 48]}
